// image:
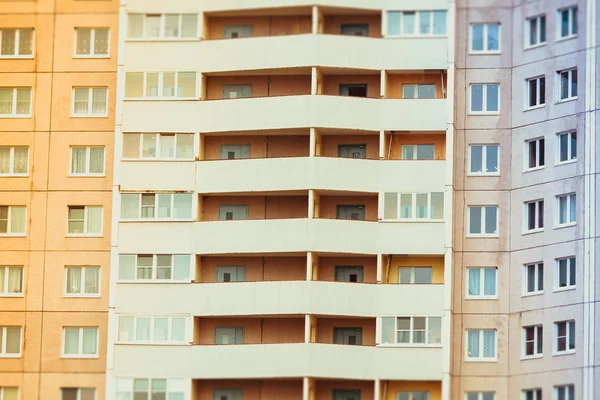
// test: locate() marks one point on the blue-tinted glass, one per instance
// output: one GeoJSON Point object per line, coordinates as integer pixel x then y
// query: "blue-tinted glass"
{"type": "Point", "coordinates": [492, 98]}
{"type": "Point", "coordinates": [393, 22]}
{"type": "Point", "coordinates": [477, 37]}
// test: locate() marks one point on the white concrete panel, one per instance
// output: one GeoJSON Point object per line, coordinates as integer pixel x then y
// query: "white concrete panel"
{"type": "Point", "coordinates": [156, 237]}
{"type": "Point", "coordinates": [157, 175]}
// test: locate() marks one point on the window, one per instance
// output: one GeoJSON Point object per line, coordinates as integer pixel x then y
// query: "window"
{"type": "Point", "coordinates": [160, 267]}
{"type": "Point", "coordinates": [85, 220]}
{"type": "Point", "coordinates": [349, 336]}
{"type": "Point", "coordinates": [483, 221]}
{"type": "Point", "coordinates": [533, 278]}
{"type": "Point", "coordinates": [82, 281]}
{"type": "Point", "coordinates": [485, 38]}
{"type": "Point", "coordinates": [163, 26]}
{"type": "Point", "coordinates": [484, 159]}
{"type": "Point", "coordinates": [228, 212]}
{"type": "Point", "coordinates": [533, 341]}
{"type": "Point", "coordinates": [16, 43]}
{"type": "Point", "coordinates": [352, 150]}
{"type": "Point", "coordinates": [228, 394]}
{"type": "Point", "coordinates": [534, 216]}
{"type": "Point", "coordinates": [156, 205]}
{"type": "Point", "coordinates": [11, 281]}
{"type": "Point", "coordinates": [13, 220]}
{"type": "Point", "coordinates": [90, 102]}
{"type": "Point", "coordinates": [412, 396]}
{"type": "Point", "coordinates": [237, 91]}
{"type": "Point", "coordinates": [15, 102]}
{"type": "Point", "coordinates": [235, 151]}
{"type": "Point", "coordinates": [531, 394]}
{"type": "Point", "coordinates": [480, 396]}
{"type": "Point", "coordinates": [536, 92]}
{"type": "Point", "coordinates": [152, 329]}
{"type": "Point", "coordinates": [78, 394]}
{"type": "Point", "coordinates": [353, 89]}
{"type": "Point", "coordinates": [237, 31]}
{"type": "Point", "coordinates": [567, 84]}
{"type": "Point", "coordinates": [405, 206]}
{"type": "Point", "coordinates": [87, 160]}
{"type": "Point", "coordinates": [567, 22]}
{"type": "Point", "coordinates": [565, 392]}
{"type": "Point", "coordinates": [80, 342]}
{"type": "Point", "coordinates": [229, 335]}
{"type": "Point", "coordinates": [415, 275]}
{"type": "Point", "coordinates": [482, 283]}
{"type": "Point", "coordinates": [354, 29]}
{"type": "Point", "coordinates": [151, 389]}
{"type": "Point", "coordinates": [231, 273]}
{"type": "Point", "coordinates": [160, 85]}
{"type": "Point", "coordinates": [411, 331]}
{"type": "Point", "coordinates": [485, 98]}
{"type": "Point", "coordinates": [338, 394]}
{"type": "Point", "coordinates": [9, 393]}
{"type": "Point", "coordinates": [565, 273]}
{"type": "Point", "coordinates": [158, 145]}
{"type": "Point", "coordinates": [536, 151]}
{"type": "Point", "coordinates": [535, 31]}
{"type": "Point", "coordinates": [481, 345]}
{"type": "Point", "coordinates": [349, 273]}
{"type": "Point", "coordinates": [564, 334]}
{"type": "Point", "coordinates": [351, 212]}
{"type": "Point", "coordinates": [14, 161]}
{"type": "Point", "coordinates": [91, 42]}
{"type": "Point", "coordinates": [419, 23]}
{"type": "Point", "coordinates": [567, 210]}
{"type": "Point", "coordinates": [10, 341]}
{"type": "Point", "coordinates": [418, 152]}
{"type": "Point", "coordinates": [418, 92]}
{"type": "Point", "coordinates": [567, 147]}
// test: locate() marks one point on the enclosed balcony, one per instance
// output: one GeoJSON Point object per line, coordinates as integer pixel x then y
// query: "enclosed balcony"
{"type": "Point", "coordinates": [251, 389]}
{"type": "Point", "coordinates": [228, 331]}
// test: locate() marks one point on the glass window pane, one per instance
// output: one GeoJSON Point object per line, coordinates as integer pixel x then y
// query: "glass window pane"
{"type": "Point", "coordinates": [5, 160]}
{"type": "Point", "coordinates": [394, 22]}
{"type": "Point", "coordinates": [434, 334]}
{"type": "Point", "coordinates": [142, 331]}
{"type": "Point", "coordinates": [71, 341]}
{"type": "Point", "coordinates": [126, 329]}
{"type": "Point", "coordinates": [423, 275]}
{"type": "Point", "coordinates": [171, 25]}
{"type": "Point", "coordinates": [130, 205]}
{"type": "Point", "coordinates": [422, 205]}
{"type": "Point", "coordinates": [73, 284]}
{"type": "Point", "coordinates": [492, 157]}
{"type": "Point", "coordinates": [168, 84]}
{"type": "Point", "coordinates": [189, 24]}
{"type": "Point", "coordinates": [13, 339]}
{"type": "Point", "coordinates": [475, 220]}
{"type": "Point", "coordinates": [134, 85]}
{"type": "Point", "coordinates": [476, 159]}
{"type": "Point", "coordinates": [474, 281]}
{"type": "Point", "coordinates": [408, 23]}
{"type": "Point", "coordinates": [152, 84]}
{"type": "Point", "coordinates": [493, 37]}
{"type": "Point", "coordinates": [408, 152]}
{"type": "Point", "coordinates": [181, 270]}
{"type": "Point", "coordinates": [405, 275]}
{"type": "Point", "coordinates": [178, 329]}
{"type": "Point", "coordinates": [390, 205]}
{"type": "Point", "coordinates": [572, 208]}
{"type": "Point", "coordinates": [127, 266]}
{"type": "Point", "coordinates": [476, 97]}
{"type": "Point", "coordinates": [477, 37]}
{"type": "Point", "coordinates": [135, 25]}
{"type": "Point", "coordinates": [92, 280]}
{"type": "Point", "coordinates": [406, 206]}
{"type": "Point", "coordinates": [90, 341]}
{"type": "Point", "coordinates": [101, 42]}
{"type": "Point", "coordinates": [437, 206]}
{"type": "Point", "coordinates": [426, 91]}
{"type": "Point", "coordinates": [185, 145]}
{"type": "Point", "coordinates": [131, 145]}
{"type": "Point", "coordinates": [7, 47]}
{"type": "Point", "coordinates": [167, 146]}
{"type": "Point", "coordinates": [152, 25]}
{"type": "Point", "coordinates": [489, 343]}
{"type": "Point", "coordinates": [149, 145]}
{"type": "Point", "coordinates": [424, 22]}
{"type": "Point", "coordinates": [489, 281]}
{"type": "Point", "coordinates": [161, 329]}
{"type": "Point", "coordinates": [84, 40]}
{"type": "Point", "coordinates": [23, 101]}
{"type": "Point", "coordinates": [96, 160]}
{"type": "Point", "coordinates": [99, 100]}
{"type": "Point", "coordinates": [492, 102]}
{"type": "Point", "coordinates": [164, 205]}
{"type": "Point", "coordinates": [409, 91]}
{"type": "Point", "coordinates": [186, 84]}
{"type": "Point", "coordinates": [473, 344]}
{"type": "Point", "coordinates": [425, 152]}
{"type": "Point", "coordinates": [439, 22]}
{"type": "Point", "coordinates": [182, 205]}
{"type": "Point", "coordinates": [94, 220]}
{"type": "Point", "coordinates": [491, 220]}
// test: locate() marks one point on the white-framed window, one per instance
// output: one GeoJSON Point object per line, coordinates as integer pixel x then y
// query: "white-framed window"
{"type": "Point", "coordinates": [418, 152]}
{"type": "Point", "coordinates": [11, 281]}
{"type": "Point", "coordinates": [480, 396]}
{"type": "Point", "coordinates": [15, 102]}
{"type": "Point", "coordinates": [157, 267]}
{"type": "Point", "coordinates": [87, 160]}
{"type": "Point", "coordinates": [155, 329]}
{"type": "Point", "coordinates": [564, 337]}
{"type": "Point", "coordinates": [16, 43]}
{"type": "Point", "coordinates": [567, 209]}
{"type": "Point", "coordinates": [422, 395]}
{"type": "Point", "coordinates": [567, 84]}
{"type": "Point", "coordinates": [85, 220]}
{"type": "Point", "coordinates": [416, 23]}
{"type": "Point", "coordinates": [484, 159]}
{"type": "Point", "coordinates": [485, 38]}
{"type": "Point", "coordinates": [161, 85]}
{"type": "Point", "coordinates": [418, 91]}
{"type": "Point", "coordinates": [80, 342]}
{"type": "Point", "coordinates": [536, 153]}
{"type": "Point", "coordinates": [564, 392]}
{"type": "Point", "coordinates": [533, 278]}
{"type": "Point", "coordinates": [13, 220]}
{"type": "Point", "coordinates": [411, 331]}
{"type": "Point", "coordinates": [10, 341]}
{"type": "Point", "coordinates": [482, 283]}
{"type": "Point", "coordinates": [567, 147]}
{"type": "Point", "coordinates": [566, 23]}
{"type": "Point", "coordinates": [150, 389]}
{"type": "Point", "coordinates": [415, 275]}
{"type": "Point", "coordinates": [90, 102]}
{"type": "Point", "coordinates": [482, 221]}
{"type": "Point", "coordinates": [533, 341]}
{"type": "Point", "coordinates": [156, 205]}
{"type": "Point", "coordinates": [158, 146]}
{"type": "Point", "coordinates": [163, 26]}
{"type": "Point", "coordinates": [535, 89]}
{"type": "Point", "coordinates": [484, 98]}
{"type": "Point", "coordinates": [14, 161]}
{"type": "Point", "coordinates": [9, 393]}
{"type": "Point", "coordinates": [565, 273]}
{"type": "Point", "coordinates": [77, 394]}
{"type": "Point", "coordinates": [534, 216]}
{"type": "Point", "coordinates": [481, 345]}
{"type": "Point", "coordinates": [82, 281]}
{"type": "Point", "coordinates": [535, 31]}
{"type": "Point", "coordinates": [92, 42]}
{"type": "Point", "coordinates": [531, 394]}
{"type": "Point", "coordinates": [413, 206]}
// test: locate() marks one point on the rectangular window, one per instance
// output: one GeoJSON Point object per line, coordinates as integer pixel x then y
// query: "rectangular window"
{"type": "Point", "coordinates": [567, 84]}
{"type": "Point", "coordinates": [412, 396]}
{"type": "Point", "coordinates": [163, 26]}
{"type": "Point", "coordinates": [151, 389]}
{"type": "Point", "coordinates": [80, 342]}
{"type": "Point", "coordinates": [231, 273]}
{"type": "Point", "coordinates": [533, 341]}
{"type": "Point", "coordinates": [564, 337]}
{"type": "Point", "coordinates": [237, 91]}
{"type": "Point", "coordinates": [480, 396]}
{"type": "Point", "coordinates": [535, 31]}
{"type": "Point", "coordinates": [78, 394]}
{"type": "Point", "coordinates": [237, 31]}
{"type": "Point", "coordinates": [416, 23]}
{"type": "Point", "coordinates": [156, 206]}
{"type": "Point", "coordinates": [421, 206]}
{"type": "Point", "coordinates": [157, 267]}
{"type": "Point", "coordinates": [82, 281]}
{"type": "Point", "coordinates": [536, 92]}
{"type": "Point", "coordinates": [233, 212]}
{"type": "Point", "coordinates": [13, 220]}
{"type": "Point", "coordinates": [161, 329]}
{"type": "Point", "coordinates": [567, 209]}
{"type": "Point", "coordinates": [418, 152]}
{"type": "Point", "coordinates": [531, 394]}
{"type": "Point", "coordinates": [485, 38]}
{"type": "Point", "coordinates": [90, 101]}
{"type": "Point", "coordinates": [567, 147]}
{"type": "Point", "coordinates": [418, 91]}
{"type": "Point", "coordinates": [564, 392]}
{"type": "Point", "coordinates": [9, 393]}
{"type": "Point", "coordinates": [158, 145]}
{"type": "Point", "coordinates": [481, 345]}
{"type": "Point", "coordinates": [567, 22]}
{"type": "Point", "coordinates": [87, 160]}
{"type": "Point", "coordinates": [411, 331]}
{"type": "Point", "coordinates": [160, 85]}
{"type": "Point", "coordinates": [485, 98]}
{"type": "Point", "coordinates": [16, 43]}
{"type": "Point", "coordinates": [565, 273]}
{"type": "Point", "coordinates": [85, 220]}
{"type": "Point", "coordinates": [534, 216]}
{"type": "Point", "coordinates": [482, 283]}
{"type": "Point", "coordinates": [484, 159]}
{"type": "Point", "coordinates": [483, 221]}
{"type": "Point", "coordinates": [14, 161]}
{"type": "Point", "coordinates": [15, 102]}
{"type": "Point", "coordinates": [415, 275]}
{"type": "Point", "coordinates": [536, 153]}
{"type": "Point", "coordinates": [533, 278]}
{"type": "Point", "coordinates": [11, 281]}
{"type": "Point", "coordinates": [230, 394]}
{"type": "Point", "coordinates": [91, 42]}
{"type": "Point", "coordinates": [10, 341]}
{"type": "Point", "coordinates": [229, 335]}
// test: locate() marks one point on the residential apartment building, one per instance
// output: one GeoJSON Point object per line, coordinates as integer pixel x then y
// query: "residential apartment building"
{"type": "Point", "coordinates": [58, 70]}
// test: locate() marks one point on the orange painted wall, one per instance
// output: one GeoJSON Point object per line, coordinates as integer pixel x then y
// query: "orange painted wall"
{"type": "Point", "coordinates": [253, 389]}
{"type": "Point", "coordinates": [329, 205]}
{"type": "Point", "coordinates": [274, 330]}
{"type": "Point", "coordinates": [434, 388]}
{"type": "Point", "coordinates": [325, 328]}
{"type": "Point", "coordinates": [275, 268]}
{"type": "Point", "coordinates": [279, 85]}
{"type": "Point", "coordinates": [395, 82]}
{"type": "Point", "coordinates": [262, 26]}
{"type": "Point", "coordinates": [327, 267]}
{"type": "Point", "coordinates": [330, 143]}
{"type": "Point", "coordinates": [324, 388]}
{"type": "Point", "coordinates": [261, 146]}
{"type": "Point", "coordinates": [331, 84]}
{"type": "Point", "coordinates": [277, 207]}
{"type": "Point", "coordinates": [333, 23]}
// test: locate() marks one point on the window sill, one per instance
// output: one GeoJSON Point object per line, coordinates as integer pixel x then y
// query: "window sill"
{"type": "Point", "coordinates": [408, 345]}
{"type": "Point", "coordinates": [79, 356]}
{"type": "Point", "coordinates": [87, 175]}
{"type": "Point", "coordinates": [534, 107]}
{"type": "Point", "coordinates": [531, 294]}
{"type": "Point", "coordinates": [534, 46]}
{"type": "Point", "coordinates": [12, 295]}
{"type": "Point", "coordinates": [77, 235]}
{"type": "Point", "coordinates": [81, 296]}
{"type": "Point", "coordinates": [483, 174]}
{"type": "Point", "coordinates": [567, 225]}
{"type": "Point", "coordinates": [483, 113]}
{"type": "Point", "coordinates": [563, 353]}
{"type": "Point", "coordinates": [481, 298]}
{"type": "Point", "coordinates": [532, 231]}
{"type": "Point", "coordinates": [89, 115]}
{"type": "Point", "coordinates": [532, 357]}
{"type": "Point", "coordinates": [478, 236]}
{"type": "Point", "coordinates": [401, 36]}
{"type": "Point", "coordinates": [88, 56]}
{"type": "Point", "coordinates": [564, 289]}
{"type": "Point", "coordinates": [14, 175]}
{"type": "Point", "coordinates": [481, 360]}
{"type": "Point", "coordinates": [526, 170]}
{"type": "Point", "coordinates": [13, 234]}
{"type": "Point", "coordinates": [568, 99]}
{"type": "Point", "coordinates": [10, 356]}
{"type": "Point", "coordinates": [569, 37]}
{"type": "Point", "coordinates": [484, 52]}
{"type": "Point", "coordinates": [567, 162]}
{"type": "Point", "coordinates": [20, 116]}
{"type": "Point", "coordinates": [17, 57]}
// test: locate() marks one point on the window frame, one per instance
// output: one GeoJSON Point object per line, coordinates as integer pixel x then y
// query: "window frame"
{"type": "Point", "coordinates": [151, 330]}
{"type": "Point", "coordinates": [18, 43]}
{"type": "Point", "coordinates": [570, 96]}
{"type": "Point", "coordinates": [527, 36]}
{"type": "Point", "coordinates": [88, 150]}
{"type": "Point", "coordinates": [537, 394]}
{"type": "Point", "coordinates": [78, 391]}
{"type": "Point", "coordinates": [416, 91]}
{"type": "Point", "coordinates": [414, 217]}
{"type": "Point", "coordinates": [4, 333]}
{"type": "Point", "coordinates": [90, 102]}
{"type": "Point", "coordinates": [485, 50]}
{"type": "Point", "coordinates": [80, 344]}
{"type": "Point", "coordinates": [155, 269]}
{"type": "Point", "coordinates": [483, 215]}
{"type": "Point", "coordinates": [411, 331]}
{"type": "Point", "coordinates": [538, 100]}
{"type": "Point", "coordinates": [572, 23]}
{"type": "Point", "coordinates": [6, 293]}
{"type": "Point", "coordinates": [570, 134]}
{"type": "Point", "coordinates": [482, 296]}
{"type": "Point", "coordinates": [156, 218]}
{"type": "Point", "coordinates": [411, 394]}
{"type": "Point", "coordinates": [415, 151]}
{"type": "Point", "coordinates": [158, 146]}
{"type": "Point", "coordinates": [571, 263]}
{"type": "Point", "coordinates": [160, 86]}
{"type": "Point", "coordinates": [538, 330]}
{"type": "Point", "coordinates": [481, 331]}
{"type": "Point", "coordinates": [3, 393]}
{"type": "Point", "coordinates": [479, 395]}
{"type": "Point", "coordinates": [161, 36]}
{"type": "Point", "coordinates": [92, 46]}
{"type": "Point", "coordinates": [11, 162]}
{"type": "Point", "coordinates": [568, 223]}
{"type": "Point", "coordinates": [540, 154]}
{"type": "Point", "coordinates": [82, 293]}
{"type": "Point", "coordinates": [484, 151]}
{"type": "Point", "coordinates": [484, 89]}
{"type": "Point", "coordinates": [537, 266]}
{"type": "Point", "coordinates": [85, 222]}
{"type": "Point", "coordinates": [567, 387]}
{"type": "Point", "coordinates": [9, 221]}
{"type": "Point", "coordinates": [416, 32]}
{"type": "Point", "coordinates": [413, 275]}
{"type": "Point", "coordinates": [555, 338]}
{"type": "Point", "coordinates": [538, 216]}
{"type": "Point", "coordinates": [13, 113]}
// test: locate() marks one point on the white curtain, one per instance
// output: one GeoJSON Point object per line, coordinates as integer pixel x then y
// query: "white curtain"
{"type": "Point", "coordinates": [96, 160]}
{"type": "Point", "coordinates": [5, 160]}
{"type": "Point", "coordinates": [101, 41]}
{"type": "Point", "coordinates": [81, 101]}
{"type": "Point", "coordinates": [71, 340]}
{"type": "Point", "coordinates": [78, 155]}
{"type": "Point", "coordinates": [21, 160]}
{"type": "Point", "coordinates": [23, 101]}
{"type": "Point", "coordinates": [73, 279]}
{"type": "Point", "coordinates": [90, 340]}
{"type": "Point", "coordinates": [17, 219]}
{"type": "Point", "coordinates": [92, 280]}
{"type": "Point", "coordinates": [99, 100]}
{"type": "Point", "coordinates": [130, 205]}
{"type": "Point", "coordinates": [489, 282]}
{"type": "Point", "coordinates": [94, 220]}
{"type": "Point", "coordinates": [6, 101]}
{"type": "Point", "coordinates": [473, 343]}
{"type": "Point", "coordinates": [474, 281]}
{"type": "Point", "coordinates": [8, 42]}
{"type": "Point", "coordinates": [83, 41]}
